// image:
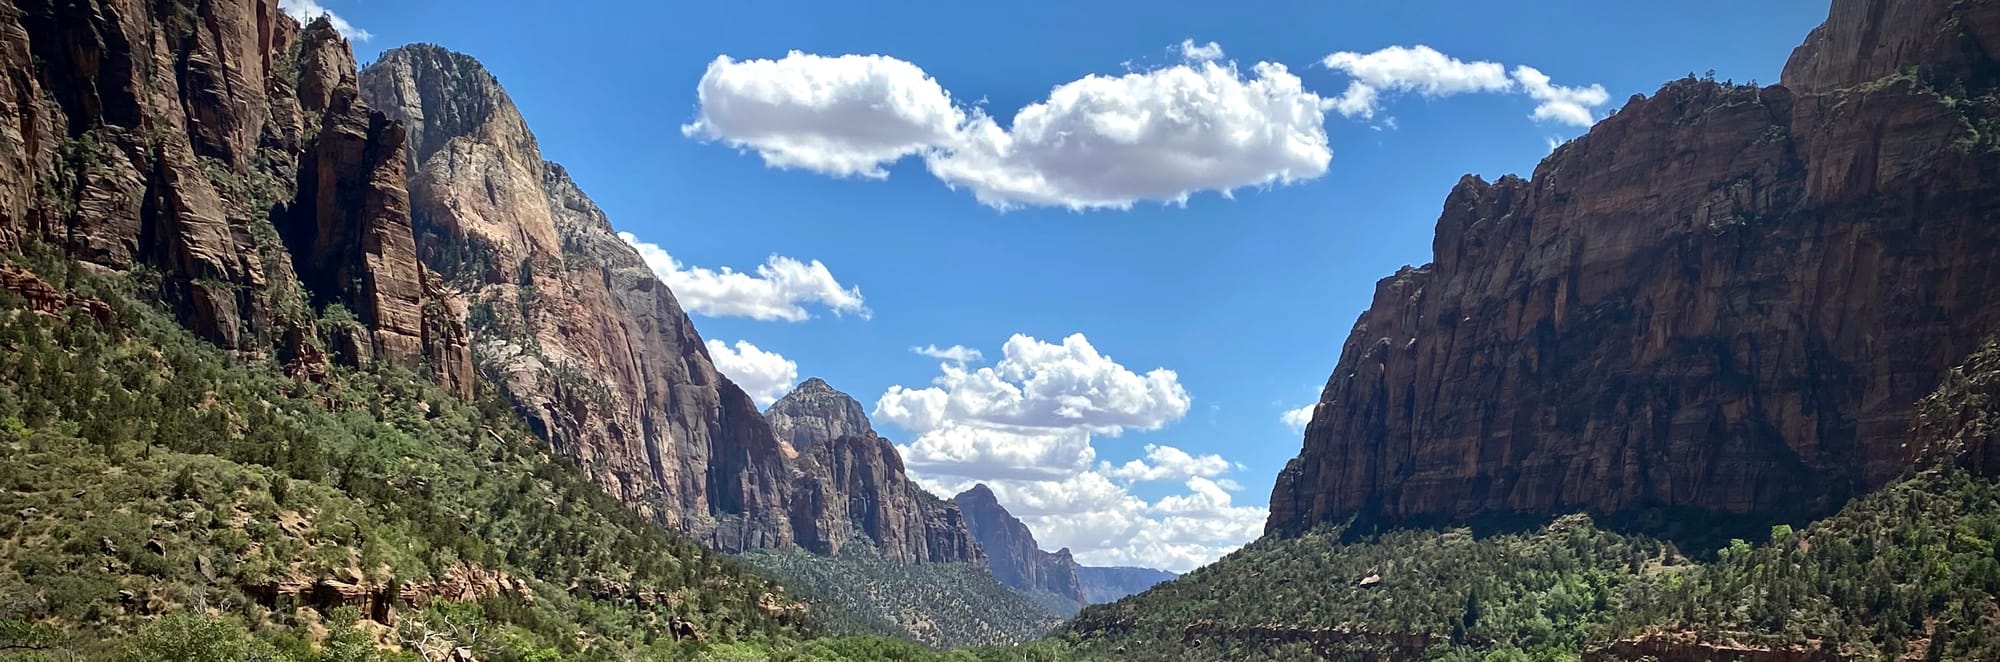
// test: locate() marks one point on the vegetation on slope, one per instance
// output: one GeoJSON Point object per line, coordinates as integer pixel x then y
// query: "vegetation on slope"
{"type": "Point", "coordinates": [1910, 570]}
{"type": "Point", "coordinates": [142, 472]}
{"type": "Point", "coordinates": [940, 604]}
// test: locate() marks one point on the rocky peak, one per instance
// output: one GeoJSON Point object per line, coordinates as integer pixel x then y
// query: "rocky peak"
{"type": "Point", "coordinates": [1723, 298]}
{"type": "Point", "coordinates": [814, 413]}
{"type": "Point", "coordinates": [442, 94]}
{"type": "Point", "coordinates": [855, 484]}
{"type": "Point", "coordinates": [1013, 555]}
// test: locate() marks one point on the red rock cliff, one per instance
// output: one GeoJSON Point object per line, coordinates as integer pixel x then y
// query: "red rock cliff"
{"type": "Point", "coordinates": [1722, 297]}
{"type": "Point", "coordinates": [178, 139]}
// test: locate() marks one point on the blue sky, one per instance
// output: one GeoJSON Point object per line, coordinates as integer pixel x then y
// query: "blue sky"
{"type": "Point", "coordinates": [984, 230]}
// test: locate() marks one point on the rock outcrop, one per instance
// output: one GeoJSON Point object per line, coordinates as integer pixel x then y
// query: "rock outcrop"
{"type": "Point", "coordinates": [577, 331]}
{"type": "Point", "coordinates": [1014, 556]}
{"type": "Point", "coordinates": [851, 485]}
{"type": "Point", "coordinates": [814, 413]}
{"type": "Point", "coordinates": [570, 323]}
{"type": "Point", "coordinates": [175, 140]}
{"type": "Point", "coordinates": [1722, 297]}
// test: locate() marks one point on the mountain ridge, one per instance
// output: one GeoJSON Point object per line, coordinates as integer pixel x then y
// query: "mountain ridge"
{"type": "Point", "coordinates": [1722, 297]}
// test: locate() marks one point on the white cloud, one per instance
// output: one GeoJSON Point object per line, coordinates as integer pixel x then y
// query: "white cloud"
{"type": "Point", "coordinates": [1193, 52]}
{"type": "Point", "coordinates": [1108, 142]}
{"type": "Point", "coordinates": [844, 116]}
{"type": "Point", "coordinates": [777, 291]}
{"type": "Point", "coordinates": [1096, 142]}
{"type": "Point", "coordinates": [1167, 463]}
{"type": "Point", "coordinates": [1419, 69]}
{"type": "Point", "coordinates": [954, 353]}
{"type": "Point", "coordinates": [1040, 385]}
{"type": "Point", "coordinates": [1297, 419]}
{"type": "Point", "coordinates": [1025, 426]}
{"type": "Point", "coordinates": [1569, 105]}
{"type": "Point", "coordinates": [766, 376]}
{"type": "Point", "coordinates": [304, 11]}
{"type": "Point", "coordinates": [1425, 71]}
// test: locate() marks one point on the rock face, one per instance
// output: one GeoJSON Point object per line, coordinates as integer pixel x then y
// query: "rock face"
{"type": "Point", "coordinates": [595, 352]}
{"type": "Point", "coordinates": [1012, 554]}
{"type": "Point", "coordinates": [1723, 297]}
{"type": "Point", "coordinates": [851, 486]}
{"type": "Point", "coordinates": [1052, 579]}
{"type": "Point", "coordinates": [814, 413]}
{"type": "Point", "coordinates": [569, 322]}
{"type": "Point", "coordinates": [177, 139]}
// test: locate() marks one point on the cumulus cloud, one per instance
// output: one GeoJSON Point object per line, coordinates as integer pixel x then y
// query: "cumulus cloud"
{"type": "Point", "coordinates": [1108, 142]}
{"type": "Point", "coordinates": [1167, 463]}
{"type": "Point", "coordinates": [1424, 71]}
{"type": "Point", "coordinates": [766, 376]}
{"type": "Point", "coordinates": [1200, 52]}
{"type": "Point", "coordinates": [1568, 105]}
{"type": "Point", "coordinates": [1097, 142]}
{"type": "Point", "coordinates": [1025, 427]}
{"type": "Point", "coordinates": [1419, 69]}
{"type": "Point", "coordinates": [1296, 419]}
{"type": "Point", "coordinates": [778, 290]}
{"type": "Point", "coordinates": [1038, 385]}
{"type": "Point", "coordinates": [954, 353]}
{"type": "Point", "coordinates": [845, 116]}
{"type": "Point", "coordinates": [304, 11]}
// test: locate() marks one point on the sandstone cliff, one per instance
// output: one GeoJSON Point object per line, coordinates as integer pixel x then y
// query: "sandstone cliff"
{"type": "Point", "coordinates": [1052, 579]}
{"type": "Point", "coordinates": [567, 320]}
{"type": "Point", "coordinates": [219, 151]}
{"type": "Point", "coordinates": [1014, 556]}
{"type": "Point", "coordinates": [851, 485]}
{"type": "Point", "coordinates": [814, 413]}
{"type": "Point", "coordinates": [1722, 297]}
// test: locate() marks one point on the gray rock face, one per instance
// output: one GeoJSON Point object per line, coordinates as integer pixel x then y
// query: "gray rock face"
{"type": "Point", "coordinates": [814, 413]}
{"type": "Point", "coordinates": [1108, 584]}
{"type": "Point", "coordinates": [1012, 553]}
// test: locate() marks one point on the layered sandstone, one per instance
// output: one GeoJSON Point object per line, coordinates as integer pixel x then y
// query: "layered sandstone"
{"type": "Point", "coordinates": [1722, 297]}
{"type": "Point", "coordinates": [851, 486]}
{"type": "Point", "coordinates": [176, 140]}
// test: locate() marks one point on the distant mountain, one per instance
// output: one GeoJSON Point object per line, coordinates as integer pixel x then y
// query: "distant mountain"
{"type": "Point", "coordinates": [850, 481]}
{"type": "Point", "coordinates": [1108, 584]}
{"type": "Point", "coordinates": [1052, 579]}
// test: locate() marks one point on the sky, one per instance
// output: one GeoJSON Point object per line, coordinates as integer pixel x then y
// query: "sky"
{"type": "Point", "coordinates": [1099, 256]}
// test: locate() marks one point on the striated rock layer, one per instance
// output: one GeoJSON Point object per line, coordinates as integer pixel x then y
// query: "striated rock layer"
{"type": "Point", "coordinates": [179, 140]}
{"type": "Point", "coordinates": [576, 330]}
{"type": "Point", "coordinates": [1722, 297]}
{"type": "Point", "coordinates": [851, 485]}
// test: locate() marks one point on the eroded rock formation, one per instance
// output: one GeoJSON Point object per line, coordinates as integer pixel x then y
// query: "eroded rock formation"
{"type": "Point", "coordinates": [176, 140]}
{"type": "Point", "coordinates": [1014, 556]}
{"type": "Point", "coordinates": [1723, 297]}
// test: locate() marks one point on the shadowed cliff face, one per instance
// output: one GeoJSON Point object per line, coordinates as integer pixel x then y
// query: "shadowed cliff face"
{"type": "Point", "coordinates": [1722, 297]}
{"type": "Point", "coordinates": [567, 320]}
{"type": "Point", "coordinates": [1012, 553]}
{"type": "Point", "coordinates": [852, 487]}
{"type": "Point", "coordinates": [221, 150]}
